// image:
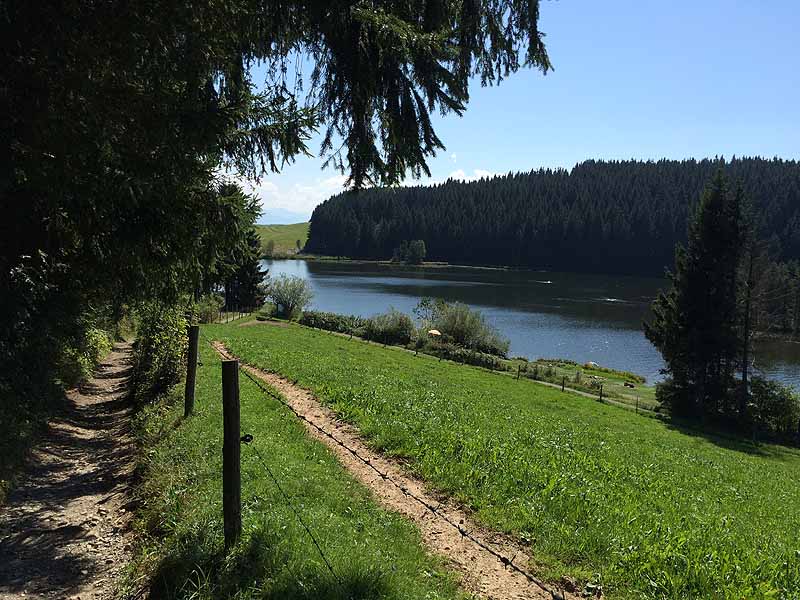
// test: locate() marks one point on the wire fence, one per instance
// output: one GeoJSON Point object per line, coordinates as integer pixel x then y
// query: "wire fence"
{"type": "Point", "coordinates": [247, 439]}
{"type": "Point", "coordinates": [435, 510]}
{"type": "Point", "coordinates": [227, 314]}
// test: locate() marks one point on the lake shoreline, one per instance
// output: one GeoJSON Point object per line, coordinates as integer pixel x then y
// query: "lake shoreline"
{"type": "Point", "coordinates": [389, 263]}
{"type": "Point", "coordinates": [579, 317]}
{"type": "Point", "coordinates": [440, 265]}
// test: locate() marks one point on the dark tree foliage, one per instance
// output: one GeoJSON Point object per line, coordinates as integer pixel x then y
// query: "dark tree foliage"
{"type": "Point", "coordinates": [412, 253]}
{"type": "Point", "coordinates": [696, 324]}
{"type": "Point", "coordinates": [245, 287]}
{"type": "Point", "coordinates": [118, 119]}
{"type": "Point", "coordinates": [605, 217]}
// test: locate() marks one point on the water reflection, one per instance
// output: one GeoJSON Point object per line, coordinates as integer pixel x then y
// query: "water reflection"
{"type": "Point", "coordinates": [544, 314]}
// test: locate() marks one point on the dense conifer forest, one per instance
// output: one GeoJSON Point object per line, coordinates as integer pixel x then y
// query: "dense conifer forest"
{"type": "Point", "coordinates": [608, 217]}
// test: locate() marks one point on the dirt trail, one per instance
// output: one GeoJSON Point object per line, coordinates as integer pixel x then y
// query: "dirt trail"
{"type": "Point", "coordinates": [64, 529]}
{"type": "Point", "coordinates": [482, 573]}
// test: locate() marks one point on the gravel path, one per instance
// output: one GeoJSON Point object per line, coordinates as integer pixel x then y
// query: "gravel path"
{"type": "Point", "coordinates": [64, 528]}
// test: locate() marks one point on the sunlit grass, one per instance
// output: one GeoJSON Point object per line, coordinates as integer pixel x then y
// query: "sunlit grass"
{"type": "Point", "coordinates": [284, 236]}
{"type": "Point", "coordinates": [653, 510]}
{"type": "Point", "coordinates": [374, 553]}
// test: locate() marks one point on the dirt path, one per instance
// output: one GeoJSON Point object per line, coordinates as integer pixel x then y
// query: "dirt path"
{"type": "Point", "coordinates": [63, 529]}
{"type": "Point", "coordinates": [482, 573]}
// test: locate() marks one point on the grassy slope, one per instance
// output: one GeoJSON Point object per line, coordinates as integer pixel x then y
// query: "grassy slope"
{"type": "Point", "coordinates": [285, 236]}
{"type": "Point", "coordinates": [377, 554]}
{"type": "Point", "coordinates": [597, 489]}
{"type": "Point", "coordinates": [613, 381]}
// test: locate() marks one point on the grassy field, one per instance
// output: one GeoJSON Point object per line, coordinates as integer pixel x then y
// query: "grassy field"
{"type": "Point", "coordinates": [375, 553]}
{"type": "Point", "coordinates": [613, 381]}
{"type": "Point", "coordinates": [599, 492]}
{"type": "Point", "coordinates": [284, 236]}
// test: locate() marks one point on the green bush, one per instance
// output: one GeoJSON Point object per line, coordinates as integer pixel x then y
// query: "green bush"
{"type": "Point", "coordinates": [461, 325]}
{"type": "Point", "coordinates": [462, 355]}
{"type": "Point", "coordinates": [392, 327]}
{"type": "Point", "coordinates": [776, 407]}
{"type": "Point", "coordinates": [160, 350]}
{"type": "Point", "coordinates": [208, 308]}
{"type": "Point", "coordinates": [412, 253]}
{"type": "Point", "coordinates": [290, 294]}
{"type": "Point", "coordinates": [349, 324]}
{"type": "Point", "coordinates": [266, 312]}
{"type": "Point", "coordinates": [80, 355]}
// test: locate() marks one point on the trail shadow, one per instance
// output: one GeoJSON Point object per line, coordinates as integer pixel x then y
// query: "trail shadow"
{"type": "Point", "coordinates": [49, 530]}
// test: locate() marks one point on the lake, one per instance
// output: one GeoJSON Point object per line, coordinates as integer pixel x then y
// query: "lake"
{"type": "Point", "coordinates": [544, 314]}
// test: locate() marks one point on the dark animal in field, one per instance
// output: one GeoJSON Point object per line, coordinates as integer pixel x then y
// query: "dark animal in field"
{"type": "Point", "coordinates": [629, 384]}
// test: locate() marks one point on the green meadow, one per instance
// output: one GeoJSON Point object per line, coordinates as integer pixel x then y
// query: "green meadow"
{"type": "Point", "coordinates": [598, 492]}
{"type": "Point", "coordinates": [374, 553]}
{"type": "Point", "coordinates": [284, 236]}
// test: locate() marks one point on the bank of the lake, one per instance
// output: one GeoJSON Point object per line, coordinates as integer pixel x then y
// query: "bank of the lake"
{"type": "Point", "coordinates": [581, 317]}
{"type": "Point", "coordinates": [390, 264]}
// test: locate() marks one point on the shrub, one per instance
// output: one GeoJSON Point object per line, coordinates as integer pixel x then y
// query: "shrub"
{"type": "Point", "coordinates": [349, 324]}
{"type": "Point", "coordinates": [266, 312]}
{"type": "Point", "coordinates": [416, 252]}
{"type": "Point", "coordinates": [776, 407]}
{"type": "Point", "coordinates": [463, 355]}
{"type": "Point", "coordinates": [468, 328]}
{"type": "Point", "coordinates": [290, 294]}
{"type": "Point", "coordinates": [412, 253]}
{"type": "Point", "coordinates": [80, 355]}
{"type": "Point", "coordinates": [159, 350]}
{"type": "Point", "coordinates": [392, 327]}
{"type": "Point", "coordinates": [208, 307]}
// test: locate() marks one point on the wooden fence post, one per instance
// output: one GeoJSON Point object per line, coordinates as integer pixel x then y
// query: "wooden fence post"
{"type": "Point", "coordinates": [563, 382]}
{"type": "Point", "coordinates": [191, 370]}
{"type": "Point", "coordinates": [601, 392]}
{"type": "Point", "coordinates": [637, 405]}
{"type": "Point", "coordinates": [519, 368]}
{"type": "Point", "coordinates": [231, 449]}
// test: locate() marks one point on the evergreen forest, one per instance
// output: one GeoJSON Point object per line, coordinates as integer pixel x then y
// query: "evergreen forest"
{"type": "Point", "coordinates": [618, 217]}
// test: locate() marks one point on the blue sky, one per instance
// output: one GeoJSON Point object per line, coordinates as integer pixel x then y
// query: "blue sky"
{"type": "Point", "coordinates": [633, 79]}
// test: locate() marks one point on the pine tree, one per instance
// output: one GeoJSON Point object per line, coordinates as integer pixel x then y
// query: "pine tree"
{"type": "Point", "coordinates": [696, 321]}
{"type": "Point", "coordinates": [245, 288]}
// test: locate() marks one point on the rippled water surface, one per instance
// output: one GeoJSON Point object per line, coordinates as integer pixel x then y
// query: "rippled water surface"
{"type": "Point", "coordinates": [544, 314]}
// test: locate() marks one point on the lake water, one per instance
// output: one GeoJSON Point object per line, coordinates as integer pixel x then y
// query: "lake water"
{"type": "Point", "coordinates": [544, 314]}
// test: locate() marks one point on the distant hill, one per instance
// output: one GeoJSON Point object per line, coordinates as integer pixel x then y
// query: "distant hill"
{"type": "Point", "coordinates": [284, 236]}
{"type": "Point", "coordinates": [603, 217]}
{"type": "Point", "coordinates": [281, 216]}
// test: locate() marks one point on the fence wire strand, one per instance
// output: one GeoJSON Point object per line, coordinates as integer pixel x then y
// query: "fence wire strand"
{"type": "Point", "coordinates": [247, 440]}
{"type": "Point", "coordinates": [504, 560]}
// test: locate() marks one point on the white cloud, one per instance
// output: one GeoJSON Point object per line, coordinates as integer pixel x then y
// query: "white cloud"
{"type": "Point", "coordinates": [476, 174]}
{"type": "Point", "coordinates": [303, 197]}
{"type": "Point", "coordinates": [453, 157]}
{"type": "Point", "coordinates": [300, 198]}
